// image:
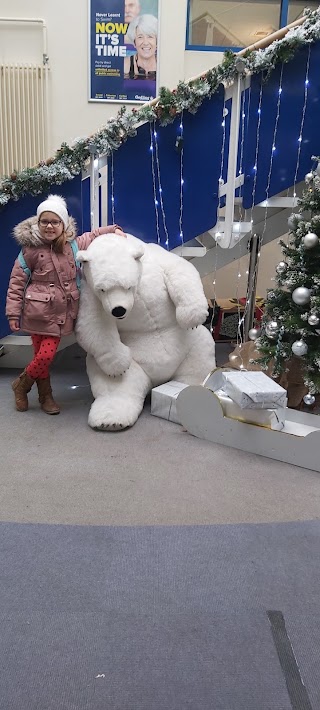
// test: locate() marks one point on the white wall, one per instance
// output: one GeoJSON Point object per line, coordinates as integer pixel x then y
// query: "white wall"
{"type": "Point", "coordinates": [72, 115]}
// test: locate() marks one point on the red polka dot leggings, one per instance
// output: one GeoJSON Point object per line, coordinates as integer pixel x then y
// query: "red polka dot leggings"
{"type": "Point", "coordinates": [45, 348]}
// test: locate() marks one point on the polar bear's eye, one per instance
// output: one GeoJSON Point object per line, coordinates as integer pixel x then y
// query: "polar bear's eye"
{"type": "Point", "coordinates": [102, 290]}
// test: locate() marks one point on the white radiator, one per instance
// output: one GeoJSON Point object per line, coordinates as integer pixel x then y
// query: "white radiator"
{"type": "Point", "coordinates": [23, 116]}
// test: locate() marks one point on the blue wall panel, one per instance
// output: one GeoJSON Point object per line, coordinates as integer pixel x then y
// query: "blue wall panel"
{"type": "Point", "coordinates": [133, 183]}
{"type": "Point", "coordinates": [288, 131]}
{"type": "Point", "coordinates": [15, 212]}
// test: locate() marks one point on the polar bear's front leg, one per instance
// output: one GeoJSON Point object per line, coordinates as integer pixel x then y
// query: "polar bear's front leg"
{"type": "Point", "coordinates": [118, 401]}
{"type": "Point", "coordinates": [185, 290]}
{"type": "Point", "coordinates": [98, 335]}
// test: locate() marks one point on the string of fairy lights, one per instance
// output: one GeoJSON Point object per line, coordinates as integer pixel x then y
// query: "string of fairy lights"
{"type": "Point", "coordinates": [161, 208]}
{"type": "Point", "coordinates": [255, 331]}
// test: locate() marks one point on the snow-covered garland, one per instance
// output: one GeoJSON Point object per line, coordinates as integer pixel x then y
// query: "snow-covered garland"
{"type": "Point", "coordinates": [70, 160]}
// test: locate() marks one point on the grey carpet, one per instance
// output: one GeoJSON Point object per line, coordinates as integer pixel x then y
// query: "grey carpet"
{"type": "Point", "coordinates": [156, 618]}
{"type": "Point", "coordinates": [138, 568]}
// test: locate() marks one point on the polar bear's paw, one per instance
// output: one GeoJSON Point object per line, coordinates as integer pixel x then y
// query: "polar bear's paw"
{"type": "Point", "coordinates": [191, 317]}
{"type": "Point", "coordinates": [112, 416]}
{"type": "Point", "coordinates": [118, 365]}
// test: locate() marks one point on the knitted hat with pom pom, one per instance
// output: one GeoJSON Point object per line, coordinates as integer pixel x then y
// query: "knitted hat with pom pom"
{"type": "Point", "coordinates": [56, 204]}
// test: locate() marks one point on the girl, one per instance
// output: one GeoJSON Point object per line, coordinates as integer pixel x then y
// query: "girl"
{"type": "Point", "coordinates": [45, 302]}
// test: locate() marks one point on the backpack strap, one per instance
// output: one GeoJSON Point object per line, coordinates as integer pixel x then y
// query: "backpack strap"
{"type": "Point", "coordinates": [26, 270]}
{"type": "Point", "coordinates": [74, 247]}
{"type": "Point", "coordinates": [24, 265]}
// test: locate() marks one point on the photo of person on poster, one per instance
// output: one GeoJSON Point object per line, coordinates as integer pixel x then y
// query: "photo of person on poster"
{"type": "Point", "coordinates": [143, 34]}
{"type": "Point", "coordinates": [123, 49]}
{"type": "Point", "coordinates": [132, 9]}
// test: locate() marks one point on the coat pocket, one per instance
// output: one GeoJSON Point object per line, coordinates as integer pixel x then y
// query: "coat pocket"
{"type": "Point", "coordinates": [36, 305]}
{"type": "Point", "coordinates": [43, 275]}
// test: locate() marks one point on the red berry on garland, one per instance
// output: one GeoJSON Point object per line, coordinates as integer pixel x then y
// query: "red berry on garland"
{"type": "Point", "coordinates": [173, 111]}
{"type": "Point", "coordinates": [13, 176]}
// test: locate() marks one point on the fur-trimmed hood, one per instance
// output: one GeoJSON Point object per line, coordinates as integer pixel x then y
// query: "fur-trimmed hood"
{"type": "Point", "coordinates": [27, 233]}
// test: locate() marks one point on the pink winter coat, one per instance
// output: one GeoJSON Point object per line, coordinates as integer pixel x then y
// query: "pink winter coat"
{"type": "Point", "coordinates": [49, 305]}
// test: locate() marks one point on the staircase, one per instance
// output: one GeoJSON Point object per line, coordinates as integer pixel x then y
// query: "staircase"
{"type": "Point", "coordinates": [205, 182]}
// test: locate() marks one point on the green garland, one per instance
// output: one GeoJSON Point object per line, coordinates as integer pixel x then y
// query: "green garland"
{"type": "Point", "coordinates": [188, 96]}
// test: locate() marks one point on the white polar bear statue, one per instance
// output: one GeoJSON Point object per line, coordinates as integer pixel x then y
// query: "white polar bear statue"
{"type": "Point", "coordinates": [140, 322]}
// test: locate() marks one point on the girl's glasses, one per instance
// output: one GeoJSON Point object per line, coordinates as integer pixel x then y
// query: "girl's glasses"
{"type": "Point", "coordinates": [53, 222]}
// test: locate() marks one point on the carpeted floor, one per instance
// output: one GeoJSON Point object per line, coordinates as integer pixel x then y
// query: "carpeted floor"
{"type": "Point", "coordinates": [149, 570]}
{"type": "Point", "coordinates": [152, 618]}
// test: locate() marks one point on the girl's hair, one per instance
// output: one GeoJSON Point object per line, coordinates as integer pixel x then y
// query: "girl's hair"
{"type": "Point", "coordinates": [59, 243]}
{"type": "Point", "coordinates": [146, 23]}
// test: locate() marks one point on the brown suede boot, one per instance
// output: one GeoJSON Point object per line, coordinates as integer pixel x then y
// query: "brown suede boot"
{"type": "Point", "coordinates": [21, 386]}
{"type": "Point", "coordinates": [48, 405]}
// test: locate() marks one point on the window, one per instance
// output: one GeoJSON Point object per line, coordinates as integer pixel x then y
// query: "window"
{"type": "Point", "coordinates": [295, 9]}
{"type": "Point", "coordinates": [230, 24]}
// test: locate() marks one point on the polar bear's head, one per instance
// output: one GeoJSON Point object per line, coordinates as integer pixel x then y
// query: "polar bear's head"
{"type": "Point", "coordinates": [112, 269]}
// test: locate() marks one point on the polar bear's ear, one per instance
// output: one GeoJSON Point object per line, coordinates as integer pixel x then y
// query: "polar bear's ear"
{"type": "Point", "coordinates": [137, 250]}
{"type": "Point", "coordinates": [82, 256]}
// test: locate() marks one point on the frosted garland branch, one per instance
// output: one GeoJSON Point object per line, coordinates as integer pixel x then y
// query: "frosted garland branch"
{"type": "Point", "coordinates": [70, 160]}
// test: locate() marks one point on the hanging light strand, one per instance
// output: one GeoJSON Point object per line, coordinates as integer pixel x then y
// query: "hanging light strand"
{"type": "Point", "coordinates": [155, 143]}
{"type": "Point", "coordinates": [241, 316]}
{"type": "Point", "coordinates": [255, 275]}
{"type": "Point", "coordinates": [154, 184]}
{"type": "Point", "coordinates": [223, 124]}
{"type": "Point", "coordinates": [255, 167]}
{"type": "Point", "coordinates": [221, 181]}
{"type": "Point", "coordinates": [181, 179]}
{"type": "Point", "coordinates": [273, 149]}
{"type": "Point", "coordinates": [306, 93]}
{"type": "Point", "coordinates": [112, 190]}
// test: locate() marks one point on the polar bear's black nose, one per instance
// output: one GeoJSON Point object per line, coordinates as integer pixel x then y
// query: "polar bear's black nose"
{"type": "Point", "coordinates": [119, 312]}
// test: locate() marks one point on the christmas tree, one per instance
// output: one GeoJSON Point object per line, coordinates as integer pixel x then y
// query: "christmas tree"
{"type": "Point", "coordinates": [291, 324]}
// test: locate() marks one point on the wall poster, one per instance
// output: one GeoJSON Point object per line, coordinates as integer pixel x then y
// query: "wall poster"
{"type": "Point", "coordinates": [123, 57]}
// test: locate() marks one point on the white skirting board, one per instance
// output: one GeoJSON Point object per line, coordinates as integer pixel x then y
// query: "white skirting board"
{"type": "Point", "coordinates": [200, 413]}
{"type": "Point", "coordinates": [16, 350]}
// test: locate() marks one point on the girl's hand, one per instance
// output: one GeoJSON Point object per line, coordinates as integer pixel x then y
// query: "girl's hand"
{"type": "Point", "coordinates": [14, 324]}
{"type": "Point", "coordinates": [114, 229]}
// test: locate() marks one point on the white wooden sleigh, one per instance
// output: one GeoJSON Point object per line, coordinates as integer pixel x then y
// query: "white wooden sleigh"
{"type": "Point", "coordinates": [298, 443]}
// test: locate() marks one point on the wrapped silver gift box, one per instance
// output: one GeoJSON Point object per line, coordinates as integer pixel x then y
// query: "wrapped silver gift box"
{"type": "Point", "coordinates": [254, 390]}
{"type": "Point", "coordinates": [164, 400]}
{"type": "Point", "coordinates": [270, 418]}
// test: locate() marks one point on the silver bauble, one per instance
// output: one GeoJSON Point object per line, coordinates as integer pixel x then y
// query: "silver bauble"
{"type": "Point", "coordinates": [308, 178]}
{"type": "Point", "coordinates": [310, 240]}
{"type": "Point", "coordinates": [240, 65]}
{"type": "Point", "coordinates": [294, 220]}
{"type": "Point", "coordinates": [299, 348]}
{"type": "Point", "coordinates": [282, 267]}
{"type": "Point", "coordinates": [272, 329]}
{"type": "Point", "coordinates": [313, 319]}
{"type": "Point", "coordinates": [309, 399]}
{"type": "Point", "coordinates": [254, 333]}
{"type": "Point", "coordinates": [271, 296]}
{"type": "Point", "coordinates": [233, 358]}
{"type": "Point", "coordinates": [301, 295]}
